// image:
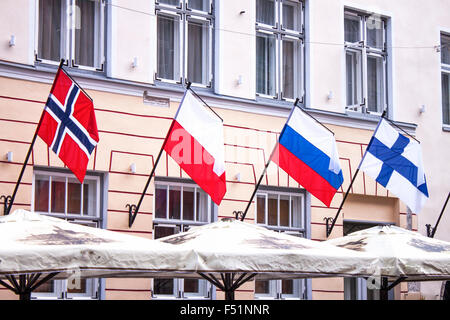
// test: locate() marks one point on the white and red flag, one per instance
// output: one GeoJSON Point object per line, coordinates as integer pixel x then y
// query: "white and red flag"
{"type": "Point", "coordinates": [68, 124]}
{"type": "Point", "coordinates": [195, 141]}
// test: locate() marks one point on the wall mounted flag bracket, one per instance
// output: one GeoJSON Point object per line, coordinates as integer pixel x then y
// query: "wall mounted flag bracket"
{"type": "Point", "coordinates": [432, 230]}
{"type": "Point", "coordinates": [6, 203]}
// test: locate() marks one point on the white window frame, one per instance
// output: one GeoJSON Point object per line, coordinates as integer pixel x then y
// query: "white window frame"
{"type": "Point", "coordinates": [275, 286]}
{"type": "Point", "coordinates": [68, 25]}
{"type": "Point", "coordinates": [181, 225]}
{"type": "Point", "coordinates": [283, 34]}
{"type": "Point", "coordinates": [186, 14]}
{"type": "Point", "coordinates": [61, 286]}
{"type": "Point", "coordinates": [362, 48]}
{"type": "Point", "coordinates": [445, 69]}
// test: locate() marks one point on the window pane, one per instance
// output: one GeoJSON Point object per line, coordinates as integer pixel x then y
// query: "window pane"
{"type": "Point", "coordinates": [375, 31]}
{"type": "Point", "coordinates": [161, 232]}
{"type": "Point", "coordinates": [197, 52]}
{"type": "Point", "coordinates": [445, 49]}
{"type": "Point", "coordinates": [191, 286]}
{"type": "Point", "coordinates": [202, 206]}
{"type": "Point", "coordinates": [291, 69]}
{"type": "Point", "coordinates": [89, 197]}
{"type": "Point", "coordinates": [73, 197]}
{"type": "Point", "coordinates": [160, 202]}
{"type": "Point", "coordinates": [174, 202]}
{"type": "Point", "coordinates": [87, 33]}
{"type": "Point", "coordinates": [375, 84]}
{"type": "Point", "coordinates": [265, 63]}
{"type": "Point", "coordinates": [296, 212]}
{"type": "Point", "coordinates": [353, 77]}
{"type": "Point", "coordinates": [262, 287]}
{"type": "Point", "coordinates": [49, 43]}
{"type": "Point", "coordinates": [284, 211]}
{"type": "Point", "coordinates": [41, 194]}
{"type": "Point", "coordinates": [265, 12]}
{"type": "Point", "coordinates": [287, 287]}
{"type": "Point", "coordinates": [168, 43]}
{"type": "Point", "coordinates": [58, 195]}
{"type": "Point", "coordinates": [171, 2]}
{"type": "Point", "coordinates": [273, 210]}
{"type": "Point", "coordinates": [188, 203]}
{"type": "Point", "coordinates": [291, 16]}
{"type": "Point", "coordinates": [446, 98]}
{"type": "Point", "coordinates": [202, 5]}
{"type": "Point", "coordinates": [163, 286]}
{"type": "Point", "coordinates": [261, 209]}
{"type": "Point", "coordinates": [352, 28]}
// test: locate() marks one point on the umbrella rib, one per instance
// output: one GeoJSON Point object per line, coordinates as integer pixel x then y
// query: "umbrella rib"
{"type": "Point", "coordinates": [396, 282]}
{"type": "Point", "coordinates": [45, 279]}
{"type": "Point", "coordinates": [239, 283]}
{"type": "Point", "coordinates": [13, 282]}
{"type": "Point", "coordinates": [8, 286]}
{"type": "Point", "coordinates": [34, 277]}
{"type": "Point", "coordinates": [214, 282]}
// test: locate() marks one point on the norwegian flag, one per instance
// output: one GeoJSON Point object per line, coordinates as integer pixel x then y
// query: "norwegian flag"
{"type": "Point", "coordinates": [68, 124]}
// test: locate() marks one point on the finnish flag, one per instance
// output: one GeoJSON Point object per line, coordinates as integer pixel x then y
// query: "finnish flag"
{"type": "Point", "coordinates": [395, 162]}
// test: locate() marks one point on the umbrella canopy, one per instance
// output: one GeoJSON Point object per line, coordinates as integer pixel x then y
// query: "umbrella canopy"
{"type": "Point", "coordinates": [232, 246]}
{"type": "Point", "coordinates": [33, 243]}
{"type": "Point", "coordinates": [401, 253]}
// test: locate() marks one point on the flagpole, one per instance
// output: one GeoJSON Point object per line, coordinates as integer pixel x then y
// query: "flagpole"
{"type": "Point", "coordinates": [263, 173]}
{"type": "Point", "coordinates": [27, 157]}
{"type": "Point", "coordinates": [330, 228]}
{"type": "Point", "coordinates": [432, 231]}
{"type": "Point", "coordinates": [132, 208]}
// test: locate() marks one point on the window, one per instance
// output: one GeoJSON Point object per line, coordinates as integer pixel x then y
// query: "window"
{"type": "Point", "coordinates": [279, 49]}
{"type": "Point", "coordinates": [365, 60]}
{"type": "Point", "coordinates": [282, 212]}
{"type": "Point", "coordinates": [72, 30]}
{"type": "Point", "coordinates": [445, 77]}
{"type": "Point", "coordinates": [61, 195]}
{"type": "Point", "coordinates": [357, 288]}
{"type": "Point", "coordinates": [184, 41]}
{"type": "Point", "coordinates": [178, 206]}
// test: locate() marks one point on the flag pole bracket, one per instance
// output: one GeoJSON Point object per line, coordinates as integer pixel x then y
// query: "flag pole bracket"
{"type": "Point", "coordinates": [6, 202]}
{"type": "Point", "coordinates": [132, 213]}
{"type": "Point", "coordinates": [430, 230]}
{"type": "Point", "coordinates": [329, 222]}
{"type": "Point", "coordinates": [239, 215]}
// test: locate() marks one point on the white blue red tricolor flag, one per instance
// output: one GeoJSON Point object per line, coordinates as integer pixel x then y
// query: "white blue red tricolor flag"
{"type": "Point", "coordinates": [195, 141]}
{"type": "Point", "coordinates": [395, 162]}
{"type": "Point", "coordinates": [307, 152]}
{"type": "Point", "coordinates": [68, 124]}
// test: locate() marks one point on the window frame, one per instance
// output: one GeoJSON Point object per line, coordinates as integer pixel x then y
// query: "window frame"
{"type": "Point", "coordinates": [67, 46]}
{"type": "Point", "coordinates": [275, 286]}
{"type": "Point", "coordinates": [186, 14]}
{"type": "Point", "coordinates": [181, 225]}
{"type": "Point", "coordinates": [365, 51]}
{"type": "Point", "coordinates": [93, 285]}
{"type": "Point", "coordinates": [445, 70]}
{"type": "Point", "coordinates": [280, 32]}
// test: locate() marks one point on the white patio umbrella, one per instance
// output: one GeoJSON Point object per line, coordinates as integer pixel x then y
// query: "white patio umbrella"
{"type": "Point", "coordinates": [402, 255]}
{"type": "Point", "coordinates": [236, 252]}
{"type": "Point", "coordinates": [36, 248]}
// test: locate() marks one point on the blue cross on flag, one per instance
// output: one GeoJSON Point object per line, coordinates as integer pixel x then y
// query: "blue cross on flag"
{"type": "Point", "coordinates": [395, 162]}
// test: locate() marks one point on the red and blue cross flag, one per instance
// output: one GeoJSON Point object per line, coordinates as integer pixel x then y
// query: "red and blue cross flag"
{"type": "Point", "coordinates": [68, 124]}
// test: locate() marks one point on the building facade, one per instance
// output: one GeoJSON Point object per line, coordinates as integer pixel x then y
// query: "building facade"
{"type": "Point", "coordinates": [346, 62]}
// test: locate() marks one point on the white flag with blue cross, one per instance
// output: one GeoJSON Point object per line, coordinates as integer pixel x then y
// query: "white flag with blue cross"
{"type": "Point", "coordinates": [395, 162]}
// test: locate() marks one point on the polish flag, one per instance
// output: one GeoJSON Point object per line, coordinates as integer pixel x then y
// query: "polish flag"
{"type": "Point", "coordinates": [195, 142]}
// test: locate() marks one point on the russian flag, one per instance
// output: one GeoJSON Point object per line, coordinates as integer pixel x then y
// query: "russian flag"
{"type": "Point", "coordinates": [307, 152]}
{"type": "Point", "coordinates": [195, 141]}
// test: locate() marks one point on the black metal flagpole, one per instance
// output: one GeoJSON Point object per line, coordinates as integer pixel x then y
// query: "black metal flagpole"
{"type": "Point", "coordinates": [262, 175]}
{"type": "Point", "coordinates": [9, 200]}
{"type": "Point", "coordinates": [329, 228]}
{"type": "Point", "coordinates": [431, 231]}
